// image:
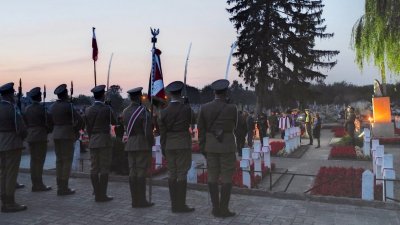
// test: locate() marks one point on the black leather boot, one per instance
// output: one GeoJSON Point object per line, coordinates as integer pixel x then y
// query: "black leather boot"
{"type": "Point", "coordinates": [65, 190]}
{"type": "Point", "coordinates": [172, 195]}
{"type": "Point", "coordinates": [38, 186]}
{"type": "Point", "coordinates": [134, 191]}
{"type": "Point", "coordinates": [214, 194]}
{"type": "Point", "coordinates": [19, 186]}
{"type": "Point", "coordinates": [103, 197]}
{"type": "Point", "coordinates": [181, 197]}
{"type": "Point", "coordinates": [225, 197]}
{"type": "Point", "coordinates": [11, 206]}
{"type": "Point", "coordinates": [143, 203]}
{"type": "Point", "coordinates": [94, 178]}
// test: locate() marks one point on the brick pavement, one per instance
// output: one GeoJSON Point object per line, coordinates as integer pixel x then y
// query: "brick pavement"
{"type": "Point", "coordinates": [47, 208]}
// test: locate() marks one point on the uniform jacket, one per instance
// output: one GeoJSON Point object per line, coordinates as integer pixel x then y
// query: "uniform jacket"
{"type": "Point", "coordinates": [141, 138]}
{"type": "Point", "coordinates": [350, 119]}
{"type": "Point", "coordinates": [226, 121]}
{"type": "Point", "coordinates": [174, 126]}
{"type": "Point", "coordinates": [99, 118]}
{"type": "Point", "coordinates": [67, 121]}
{"type": "Point", "coordinates": [241, 129]}
{"type": "Point", "coordinates": [38, 121]}
{"type": "Point", "coordinates": [12, 128]}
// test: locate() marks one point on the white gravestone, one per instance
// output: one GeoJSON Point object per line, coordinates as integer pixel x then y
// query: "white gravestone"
{"type": "Point", "coordinates": [257, 145]}
{"type": "Point", "coordinates": [158, 155]}
{"type": "Point", "coordinates": [265, 141]}
{"type": "Point", "coordinates": [379, 163]}
{"type": "Point", "coordinates": [367, 185]}
{"type": "Point", "coordinates": [375, 143]}
{"type": "Point", "coordinates": [246, 153]}
{"type": "Point", "coordinates": [192, 174]}
{"type": "Point", "coordinates": [257, 163]}
{"type": "Point", "coordinates": [267, 156]}
{"type": "Point", "coordinates": [287, 142]}
{"type": "Point", "coordinates": [77, 155]}
{"type": "Point", "coordinates": [245, 166]}
{"type": "Point", "coordinates": [388, 186]}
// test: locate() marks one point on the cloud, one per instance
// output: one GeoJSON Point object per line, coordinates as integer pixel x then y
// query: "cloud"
{"type": "Point", "coordinates": [43, 66]}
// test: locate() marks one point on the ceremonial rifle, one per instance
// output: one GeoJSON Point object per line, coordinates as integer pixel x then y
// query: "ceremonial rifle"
{"type": "Point", "coordinates": [233, 46]}
{"type": "Point", "coordinates": [185, 97]}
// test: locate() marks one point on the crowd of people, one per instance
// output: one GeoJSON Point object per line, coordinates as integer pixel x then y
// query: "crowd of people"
{"type": "Point", "coordinates": [275, 124]}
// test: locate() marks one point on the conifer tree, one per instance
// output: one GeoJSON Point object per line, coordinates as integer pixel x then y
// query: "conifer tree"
{"type": "Point", "coordinates": [276, 44]}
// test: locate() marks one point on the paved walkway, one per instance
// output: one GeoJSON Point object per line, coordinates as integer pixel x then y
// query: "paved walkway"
{"type": "Point", "coordinates": [47, 208]}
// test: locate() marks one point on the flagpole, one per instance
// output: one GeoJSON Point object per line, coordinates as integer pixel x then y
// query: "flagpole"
{"type": "Point", "coordinates": [233, 46]}
{"type": "Point", "coordinates": [94, 66]}
{"type": "Point", "coordinates": [154, 33]}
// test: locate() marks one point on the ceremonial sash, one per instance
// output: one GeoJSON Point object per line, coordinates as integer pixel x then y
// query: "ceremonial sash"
{"type": "Point", "coordinates": [133, 118]}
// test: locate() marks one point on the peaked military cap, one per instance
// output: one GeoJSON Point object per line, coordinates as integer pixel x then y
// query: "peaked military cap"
{"type": "Point", "coordinates": [34, 92]}
{"type": "Point", "coordinates": [60, 89]}
{"type": "Point", "coordinates": [7, 88]}
{"type": "Point", "coordinates": [220, 85]}
{"type": "Point", "coordinates": [98, 89]}
{"type": "Point", "coordinates": [175, 86]}
{"type": "Point", "coordinates": [135, 91]}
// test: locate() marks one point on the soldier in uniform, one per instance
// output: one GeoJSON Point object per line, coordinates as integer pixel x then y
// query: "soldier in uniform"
{"type": "Point", "coordinates": [309, 122]}
{"type": "Point", "coordinates": [99, 118]}
{"type": "Point", "coordinates": [217, 121]}
{"type": "Point", "coordinates": [241, 132]}
{"type": "Point", "coordinates": [67, 123]}
{"type": "Point", "coordinates": [39, 125]}
{"type": "Point", "coordinates": [138, 126]}
{"type": "Point", "coordinates": [176, 143]}
{"type": "Point", "coordinates": [12, 133]}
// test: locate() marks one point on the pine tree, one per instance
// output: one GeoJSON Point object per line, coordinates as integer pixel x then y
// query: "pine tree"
{"type": "Point", "coordinates": [276, 44]}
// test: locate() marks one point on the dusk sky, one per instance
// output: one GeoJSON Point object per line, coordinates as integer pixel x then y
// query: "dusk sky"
{"type": "Point", "coordinates": [49, 41]}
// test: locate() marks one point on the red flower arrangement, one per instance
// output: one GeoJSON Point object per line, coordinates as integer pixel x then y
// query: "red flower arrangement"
{"type": "Point", "coordinates": [237, 178]}
{"type": "Point", "coordinates": [389, 140]}
{"type": "Point", "coordinates": [155, 171]}
{"type": "Point", "coordinates": [343, 152]}
{"type": "Point", "coordinates": [340, 182]}
{"type": "Point", "coordinates": [339, 131]}
{"type": "Point", "coordinates": [276, 146]}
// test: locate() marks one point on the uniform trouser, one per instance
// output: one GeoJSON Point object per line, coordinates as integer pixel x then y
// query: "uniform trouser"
{"type": "Point", "coordinates": [101, 159]}
{"type": "Point", "coordinates": [309, 132]}
{"type": "Point", "coordinates": [221, 166]}
{"type": "Point", "coordinates": [9, 166]}
{"type": "Point", "coordinates": [64, 149]}
{"type": "Point", "coordinates": [179, 162]}
{"type": "Point", "coordinates": [139, 162]}
{"type": "Point", "coordinates": [240, 140]}
{"type": "Point", "coordinates": [350, 131]}
{"type": "Point", "coordinates": [250, 138]}
{"type": "Point", "coordinates": [38, 156]}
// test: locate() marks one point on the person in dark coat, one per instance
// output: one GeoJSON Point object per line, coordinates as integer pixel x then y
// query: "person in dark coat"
{"type": "Point", "coordinates": [99, 119]}
{"type": "Point", "coordinates": [317, 129]}
{"type": "Point", "coordinates": [250, 129]}
{"type": "Point", "coordinates": [241, 132]}
{"type": "Point", "coordinates": [67, 123]}
{"type": "Point", "coordinates": [12, 133]}
{"type": "Point", "coordinates": [217, 121]}
{"type": "Point", "coordinates": [349, 124]}
{"type": "Point", "coordinates": [176, 145]}
{"type": "Point", "coordinates": [139, 128]}
{"type": "Point", "coordinates": [39, 124]}
{"type": "Point", "coordinates": [308, 124]}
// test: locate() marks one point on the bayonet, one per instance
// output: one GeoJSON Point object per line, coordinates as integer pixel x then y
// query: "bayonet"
{"type": "Point", "coordinates": [185, 75]}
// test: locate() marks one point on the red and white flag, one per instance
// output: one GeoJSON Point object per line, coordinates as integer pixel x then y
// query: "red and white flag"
{"type": "Point", "coordinates": [156, 85]}
{"type": "Point", "coordinates": [94, 46]}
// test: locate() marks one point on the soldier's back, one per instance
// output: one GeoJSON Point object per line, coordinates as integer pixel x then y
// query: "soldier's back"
{"type": "Point", "coordinates": [35, 119]}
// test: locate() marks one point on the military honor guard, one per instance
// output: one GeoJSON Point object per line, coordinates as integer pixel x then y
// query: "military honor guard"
{"type": "Point", "coordinates": [12, 133]}
{"type": "Point", "coordinates": [99, 118]}
{"type": "Point", "coordinates": [138, 127]}
{"type": "Point", "coordinates": [176, 144]}
{"type": "Point", "coordinates": [67, 123]}
{"type": "Point", "coordinates": [217, 121]}
{"type": "Point", "coordinates": [39, 125]}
